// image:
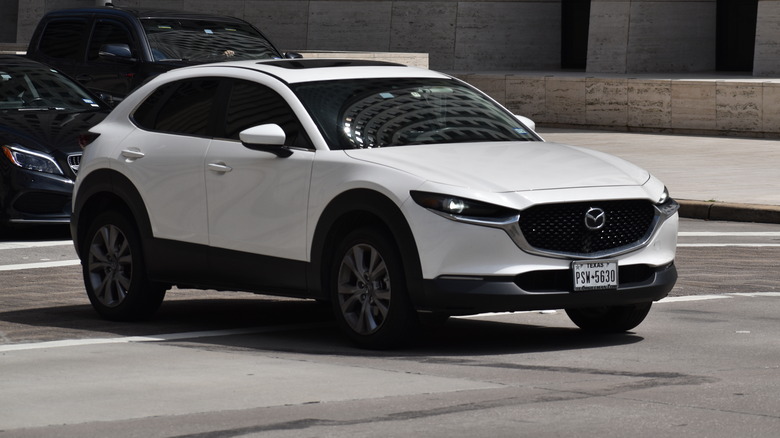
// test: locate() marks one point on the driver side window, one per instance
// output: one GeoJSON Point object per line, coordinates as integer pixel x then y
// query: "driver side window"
{"type": "Point", "coordinates": [110, 32]}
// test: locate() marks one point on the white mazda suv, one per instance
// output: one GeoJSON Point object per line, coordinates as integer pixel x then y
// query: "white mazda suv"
{"type": "Point", "coordinates": [395, 193]}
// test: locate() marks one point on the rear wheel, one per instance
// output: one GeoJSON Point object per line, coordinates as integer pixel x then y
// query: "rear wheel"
{"type": "Point", "coordinates": [368, 290]}
{"type": "Point", "coordinates": [114, 271]}
{"type": "Point", "coordinates": [610, 319]}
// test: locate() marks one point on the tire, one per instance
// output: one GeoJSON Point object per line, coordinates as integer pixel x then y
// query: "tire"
{"type": "Point", "coordinates": [114, 272]}
{"type": "Point", "coordinates": [613, 319]}
{"type": "Point", "coordinates": [368, 291]}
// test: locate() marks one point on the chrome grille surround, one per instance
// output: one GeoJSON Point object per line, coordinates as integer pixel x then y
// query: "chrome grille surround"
{"type": "Point", "coordinates": [74, 160]}
{"type": "Point", "coordinates": [559, 230]}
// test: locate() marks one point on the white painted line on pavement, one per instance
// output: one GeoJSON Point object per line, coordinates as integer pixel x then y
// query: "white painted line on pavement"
{"type": "Point", "coordinates": [692, 298]}
{"type": "Point", "coordinates": [723, 245]}
{"type": "Point", "coordinates": [20, 266]}
{"type": "Point", "coordinates": [158, 338]}
{"type": "Point", "coordinates": [23, 245]}
{"type": "Point", "coordinates": [729, 234]}
{"type": "Point", "coordinates": [258, 330]}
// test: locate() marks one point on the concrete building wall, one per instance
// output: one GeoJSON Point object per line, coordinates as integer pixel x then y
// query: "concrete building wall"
{"type": "Point", "coordinates": [648, 36]}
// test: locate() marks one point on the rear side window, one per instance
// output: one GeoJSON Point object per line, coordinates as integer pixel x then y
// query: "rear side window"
{"type": "Point", "coordinates": [62, 39]}
{"type": "Point", "coordinates": [182, 107]}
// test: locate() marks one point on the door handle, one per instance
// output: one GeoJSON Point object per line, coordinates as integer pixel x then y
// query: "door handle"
{"type": "Point", "coordinates": [220, 167]}
{"type": "Point", "coordinates": [132, 154]}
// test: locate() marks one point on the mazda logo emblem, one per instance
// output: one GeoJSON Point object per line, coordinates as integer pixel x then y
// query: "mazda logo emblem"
{"type": "Point", "coordinates": [595, 218]}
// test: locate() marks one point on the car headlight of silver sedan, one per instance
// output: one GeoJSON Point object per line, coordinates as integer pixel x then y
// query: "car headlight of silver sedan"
{"type": "Point", "coordinates": [31, 160]}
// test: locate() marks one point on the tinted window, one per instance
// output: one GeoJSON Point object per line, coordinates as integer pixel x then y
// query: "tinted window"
{"type": "Point", "coordinates": [182, 107]}
{"type": "Point", "coordinates": [252, 104]}
{"type": "Point", "coordinates": [62, 39]}
{"type": "Point", "coordinates": [108, 32]}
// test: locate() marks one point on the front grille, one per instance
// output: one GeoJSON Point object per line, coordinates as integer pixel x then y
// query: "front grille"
{"type": "Point", "coordinates": [73, 162]}
{"type": "Point", "coordinates": [561, 228]}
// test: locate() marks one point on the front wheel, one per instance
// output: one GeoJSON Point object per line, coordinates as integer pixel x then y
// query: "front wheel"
{"type": "Point", "coordinates": [368, 290]}
{"type": "Point", "coordinates": [609, 319]}
{"type": "Point", "coordinates": [114, 271]}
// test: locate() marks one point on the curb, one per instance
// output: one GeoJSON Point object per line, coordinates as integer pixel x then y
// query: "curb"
{"type": "Point", "coordinates": [724, 211]}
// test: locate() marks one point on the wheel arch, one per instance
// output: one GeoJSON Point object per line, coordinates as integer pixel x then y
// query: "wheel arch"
{"type": "Point", "coordinates": [354, 209]}
{"type": "Point", "coordinates": [102, 190]}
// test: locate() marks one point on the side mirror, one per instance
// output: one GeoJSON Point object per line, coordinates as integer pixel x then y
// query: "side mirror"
{"type": "Point", "coordinates": [265, 138]}
{"type": "Point", "coordinates": [116, 52]}
{"type": "Point", "coordinates": [292, 55]}
{"type": "Point", "coordinates": [527, 122]}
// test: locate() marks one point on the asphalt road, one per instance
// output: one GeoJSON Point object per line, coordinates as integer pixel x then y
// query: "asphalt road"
{"type": "Point", "coordinates": [705, 362]}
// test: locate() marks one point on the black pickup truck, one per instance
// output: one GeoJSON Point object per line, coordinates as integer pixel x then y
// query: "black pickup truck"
{"type": "Point", "coordinates": [112, 50]}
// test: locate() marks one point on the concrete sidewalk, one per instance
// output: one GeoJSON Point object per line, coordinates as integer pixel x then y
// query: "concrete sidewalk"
{"type": "Point", "coordinates": [715, 178]}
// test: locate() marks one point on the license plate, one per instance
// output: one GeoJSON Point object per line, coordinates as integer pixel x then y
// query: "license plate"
{"type": "Point", "coordinates": [595, 274]}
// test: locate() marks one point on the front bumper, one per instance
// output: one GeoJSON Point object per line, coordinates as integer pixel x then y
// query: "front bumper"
{"type": "Point", "coordinates": [541, 290]}
{"type": "Point", "coordinates": [28, 197]}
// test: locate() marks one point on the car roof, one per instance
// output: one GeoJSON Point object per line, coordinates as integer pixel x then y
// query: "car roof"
{"type": "Point", "coordinates": [319, 69]}
{"type": "Point", "coordinates": [145, 13]}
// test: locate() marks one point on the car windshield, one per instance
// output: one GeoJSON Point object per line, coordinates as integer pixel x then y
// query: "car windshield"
{"type": "Point", "coordinates": [205, 41]}
{"type": "Point", "coordinates": [373, 113]}
{"type": "Point", "coordinates": [38, 88]}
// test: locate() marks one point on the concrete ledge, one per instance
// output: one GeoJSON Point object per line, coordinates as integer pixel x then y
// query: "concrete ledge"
{"type": "Point", "coordinates": [406, 58]}
{"type": "Point", "coordinates": [724, 211]}
{"type": "Point", "coordinates": [693, 103]}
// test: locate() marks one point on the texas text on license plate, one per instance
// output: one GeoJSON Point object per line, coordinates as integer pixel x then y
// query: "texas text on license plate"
{"type": "Point", "coordinates": [595, 274]}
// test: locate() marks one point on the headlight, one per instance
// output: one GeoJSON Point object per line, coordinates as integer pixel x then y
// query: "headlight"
{"type": "Point", "coordinates": [465, 210]}
{"type": "Point", "coordinates": [31, 160]}
{"type": "Point", "coordinates": [666, 205]}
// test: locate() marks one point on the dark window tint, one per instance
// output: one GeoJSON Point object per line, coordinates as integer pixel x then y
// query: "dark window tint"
{"type": "Point", "coordinates": [109, 32]}
{"type": "Point", "coordinates": [62, 39]}
{"type": "Point", "coordinates": [252, 104]}
{"type": "Point", "coordinates": [183, 107]}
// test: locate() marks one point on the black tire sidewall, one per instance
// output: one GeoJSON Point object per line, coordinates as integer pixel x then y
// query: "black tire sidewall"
{"type": "Point", "coordinates": [144, 297]}
{"type": "Point", "coordinates": [400, 323]}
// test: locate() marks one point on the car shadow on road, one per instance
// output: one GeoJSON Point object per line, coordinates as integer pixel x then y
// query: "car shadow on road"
{"type": "Point", "coordinates": [34, 233]}
{"type": "Point", "coordinates": [295, 326]}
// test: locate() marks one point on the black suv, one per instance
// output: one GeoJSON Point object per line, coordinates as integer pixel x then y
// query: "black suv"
{"type": "Point", "coordinates": [112, 50]}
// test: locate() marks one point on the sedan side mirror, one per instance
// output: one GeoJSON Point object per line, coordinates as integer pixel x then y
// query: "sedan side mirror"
{"type": "Point", "coordinates": [266, 138]}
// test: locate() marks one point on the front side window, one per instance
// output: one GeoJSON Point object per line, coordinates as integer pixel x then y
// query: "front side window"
{"type": "Point", "coordinates": [251, 104]}
{"type": "Point", "coordinates": [205, 41]}
{"type": "Point", "coordinates": [61, 39]}
{"type": "Point", "coordinates": [182, 107]}
{"type": "Point", "coordinates": [111, 33]}
{"type": "Point", "coordinates": [372, 113]}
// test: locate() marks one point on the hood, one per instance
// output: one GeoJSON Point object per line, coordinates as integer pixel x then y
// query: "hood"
{"type": "Point", "coordinates": [507, 166]}
{"type": "Point", "coordinates": [47, 131]}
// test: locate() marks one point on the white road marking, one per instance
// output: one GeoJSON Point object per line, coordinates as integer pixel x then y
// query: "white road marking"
{"type": "Point", "coordinates": [733, 245]}
{"type": "Point", "coordinates": [24, 245]}
{"type": "Point", "coordinates": [257, 330]}
{"type": "Point", "coordinates": [38, 265]}
{"type": "Point", "coordinates": [729, 234]}
{"type": "Point", "coordinates": [158, 338]}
